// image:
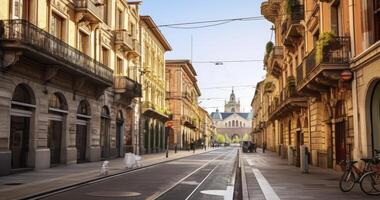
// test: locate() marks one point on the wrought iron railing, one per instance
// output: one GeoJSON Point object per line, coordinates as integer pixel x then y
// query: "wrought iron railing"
{"type": "Point", "coordinates": [30, 35]}
{"type": "Point", "coordinates": [297, 14]}
{"type": "Point", "coordinates": [338, 54]}
{"type": "Point", "coordinates": [285, 94]}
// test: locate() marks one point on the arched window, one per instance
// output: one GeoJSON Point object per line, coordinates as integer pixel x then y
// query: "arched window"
{"type": "Point", "coordinates": [229, 124]}
{"type": "Point", "coordinates": [57, 101]}
{"type": "Point", "coordinates": [233, 123]}
{"type": "Point", "coordinates": [226, 124]}
{"type": "Point", "coordinates": [241, 124]}
{"type": "Point", "coordinates": [83, 108]}
{"type": "Point", "coordinates": [22, 95]}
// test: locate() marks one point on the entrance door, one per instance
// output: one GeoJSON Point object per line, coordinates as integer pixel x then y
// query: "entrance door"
{"type": "Point", "coordinates": [119, 128]}
{"type": "Point", "coordinates": [54, 141]}
{"type": "Point", "coordinates": [298, 150]}
{"type": "Point", "coordinates": [81, 142]}
{"type": "Point", "coordinates": [340, 141]}
{"type": "Point", "coordinates": [19, 141]}
{"type": "Point", "coordinates": [105, 138]}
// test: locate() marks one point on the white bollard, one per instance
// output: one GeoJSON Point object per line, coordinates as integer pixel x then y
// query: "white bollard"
{"type": "Point", "coordinates": [104, 168]}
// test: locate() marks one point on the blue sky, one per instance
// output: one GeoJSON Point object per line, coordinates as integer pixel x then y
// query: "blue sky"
{"type": "Point", "coordinates": [232, 41]}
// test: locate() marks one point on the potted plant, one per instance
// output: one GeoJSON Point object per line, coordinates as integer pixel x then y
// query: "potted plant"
{"type": "Point", "coordinates": [268, 49]}
{"type": "Point", "coordinates": [325, 42]}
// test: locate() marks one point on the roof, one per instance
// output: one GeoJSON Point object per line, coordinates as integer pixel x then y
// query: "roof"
{"type": "Point", "coordinates": [224, 115]}
{"type": "Point", "coordinates": [216, 115]}
{"type": "Point", "coordinates": [156, 31]}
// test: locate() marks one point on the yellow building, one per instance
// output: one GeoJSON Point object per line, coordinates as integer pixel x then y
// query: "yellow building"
{"type": "Point", "coordinates": [154, 111]}
{"type": "Point", "coordinates": [310, 104]}
{"type": "Point", "coordinates": [207, 127]}
{"type": "Point", "coordinates": [69, 81]}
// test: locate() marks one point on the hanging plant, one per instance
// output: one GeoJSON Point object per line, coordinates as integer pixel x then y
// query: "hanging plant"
{"type": "Point", "coordinates": [268, 87]}
{"type": "Point", "coordinates": [269, 47]}
{"type": "Point", "coordinates": [326, 1]}
{"type": "Point", "coordinates": [291, 5]}
{"type": "Point", "coordinates": [324, 42]}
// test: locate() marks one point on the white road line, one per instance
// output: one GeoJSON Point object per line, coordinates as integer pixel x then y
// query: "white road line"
{"type": "Point", "coordinates": [267, 189]}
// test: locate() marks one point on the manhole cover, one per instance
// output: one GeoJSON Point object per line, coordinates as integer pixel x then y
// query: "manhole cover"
{"type": "Point", "coordinates": [13, 183]}
{"type": "Point", "coordinates": [114, 194]}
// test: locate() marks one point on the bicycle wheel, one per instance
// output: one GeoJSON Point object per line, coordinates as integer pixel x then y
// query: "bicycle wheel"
{"type": "Point", "coordinates": [347, 181]}
{"type": "Point", "coordinates": [370, 183]}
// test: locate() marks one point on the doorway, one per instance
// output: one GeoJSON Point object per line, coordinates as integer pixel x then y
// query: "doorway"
{"type": "Point", "coordinates": [83, 120]}
{"type": "Point", "coordinates": [54, 141]}
{"type": "Point", "coordinates": [340, 141]}
{"type": "Point", "coordinates": [19, 141]}
{"type": "Point", "coordinates": [119, 134]}
{"type": "Point", "coordinates": [105, 139]}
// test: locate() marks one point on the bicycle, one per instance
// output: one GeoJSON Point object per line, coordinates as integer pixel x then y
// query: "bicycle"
{"type": "Point", "coordinates": [352, 174]}
{"type": "Point", "coordinates": [370, 181]}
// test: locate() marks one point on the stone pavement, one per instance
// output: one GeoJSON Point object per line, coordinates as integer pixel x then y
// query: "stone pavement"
{"type": "Point", "coordinates": [270, 177]}
{"type": "Point", "coordinates": [21, 185]}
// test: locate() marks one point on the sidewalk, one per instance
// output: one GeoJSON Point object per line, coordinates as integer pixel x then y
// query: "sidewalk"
{"type": "Point", "coordinates": [270, 177]}
{"type": "Point", "coordinates": [21, 185]}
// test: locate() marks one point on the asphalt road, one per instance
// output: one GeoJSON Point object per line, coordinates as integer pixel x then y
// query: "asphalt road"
{"type": "Point", "coordinates": [184, 178]}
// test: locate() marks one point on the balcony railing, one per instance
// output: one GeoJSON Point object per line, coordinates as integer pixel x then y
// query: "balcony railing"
{"type": "Point", "coordinates": [122, 37]}
{"type": "Point", "coordinates": [337, 55]}
{"type": "Point", "coordinates": [91, 6]}
{"type": "Point", "coordinates": [30, 36]}
{"type": "Point", "coordinates": [127, 86]}
{"type": "Point", "coordinates": [297, 15]}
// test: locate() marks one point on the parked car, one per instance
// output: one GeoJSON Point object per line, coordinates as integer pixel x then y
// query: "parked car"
{"type": "Point", "coordinates": [248, 146]}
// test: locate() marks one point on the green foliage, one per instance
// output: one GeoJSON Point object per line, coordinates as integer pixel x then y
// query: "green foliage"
{"type": "Point", "coordinates": [246, 137]}
{"type": "Point", "coordinates": [236, 140]}
{"type": "Point", "coordinates": [220, 139]}
{"type": "Point", "coordinates": [269, 47]}
{"type": "Point", "coordinates": [324, 42]}
{"type": "Point", "coordinates": [291, 5]}
{"type": "Point", "coordinates": [268, 85]}
{"type": "Point", "coordinates": [228, 139]}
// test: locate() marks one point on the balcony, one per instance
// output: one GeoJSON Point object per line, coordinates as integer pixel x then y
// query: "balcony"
{"type": "Point", "coordinates": [33, 43]}
{"type": "Point", "coordinates": [318, 75]}
{"type": "Point", "coordinates": [270, 9]}
{"type": "Point", "coordinates": [122, 40]}
{"type": "Point", "coordinates": [152, 110]}
{"type": "Point", "coordinates": [189, 122]}
{"type": "Point", "coordinates": [126, 87]}
{"type": "Point", "coordinates": [275, 60]}
{"type": "Point", "coordinates": [287, 101]}
{"type": "Point", "coordinates": [90, 10]}
{"type": "Point", "coordinates": [136, 51]}
{"type": "Point", "coordinates": [291, 28]}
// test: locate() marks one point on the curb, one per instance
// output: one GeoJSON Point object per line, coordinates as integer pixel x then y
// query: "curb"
{"type": "Point", "coordinates": [243, 179]}
{"type": "Point", "coordinates": [98, 179]}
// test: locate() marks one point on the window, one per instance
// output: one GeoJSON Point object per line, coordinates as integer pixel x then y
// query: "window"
{"type": "Point", "coordinates": [104, 56]}
{"type": "Point", "coordinates": [119, 66]}
{"type": "Point", "coordinates": [56, 101]}
{"type": "Point", "coordinates": [105, 12]}
{"type": "Point", "coordinates": [83, 42]}
{"type": "Point", "coordinates": [376, 13]}
{"type": "Point", "coordinates": [229, 124]}
{"type": "Point", "coordinates": [57, 26]}
{"type": "Point", "coordinates": [17, 8]}
{"type": "Point", "coordinates": [119, 19]}
{"type": "Point", "coordinates": [233, 123]}
{"type": "Point", "coordinates": [336, 13]}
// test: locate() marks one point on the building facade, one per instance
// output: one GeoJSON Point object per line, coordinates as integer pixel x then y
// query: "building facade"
{"type": "Point", "coordinates": [182, 95]}
{"type": "Point", "coordinates": [309, 99]}
{"type": "Point", "coordinates": [154, 111]}
{"type": "Point", "coordinates": [68, 81]}
{"type": "Point", "coordinates": [207, 128]}
{"type": "Point", "coordinates": [232, 123]}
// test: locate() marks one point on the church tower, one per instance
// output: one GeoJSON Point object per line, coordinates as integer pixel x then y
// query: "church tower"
{"type": "Point", "coordinates": [232, 105]}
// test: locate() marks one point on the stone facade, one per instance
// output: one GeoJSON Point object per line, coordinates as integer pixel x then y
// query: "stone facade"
{"type": "Point", "coordinates": [69, 82]}
{"type": "Point", "coordinates": [182, 98]}
{"type": "Point", "coordinates": [154, 110]}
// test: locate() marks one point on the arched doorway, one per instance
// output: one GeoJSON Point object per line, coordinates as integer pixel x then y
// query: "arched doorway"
{"type": "Point", "coordinates": [57, 113]}
{"type": "Point", "coordinates": [157, 138]}
{"type": "Point", "coordinates": [373, 109]}
{"type": "Point", "coordinates": [22, 109]}
{"type": "Point", "coordinates": [105, 138]}
{"type": "Point", "coordinates": [340, 132]}
{"type": "Point", "coordinates": [119, 133]}
{"type": "Point", "coordinates": [83, 118]}
{"type": "Point", "coordinates": [151, 136]}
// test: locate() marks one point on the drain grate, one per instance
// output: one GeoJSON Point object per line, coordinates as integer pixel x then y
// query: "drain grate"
{"type": "Point", "coordinates": [13, 183]}
{"type": "Point", "coordinates": [114, 194]}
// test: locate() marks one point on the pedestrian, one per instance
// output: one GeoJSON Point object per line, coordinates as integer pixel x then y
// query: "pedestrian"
{"type": "Point", "coordinates": [192, 146]}
{"type": "Point", "coordinates": [264, 146]}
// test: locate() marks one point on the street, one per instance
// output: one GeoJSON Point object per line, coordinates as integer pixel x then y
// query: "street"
{"type": "Point", "coordinates": [181, 179]}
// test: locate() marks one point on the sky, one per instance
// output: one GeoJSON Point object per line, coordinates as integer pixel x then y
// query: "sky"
{"type": "Point", "coordinates": [238, 40]}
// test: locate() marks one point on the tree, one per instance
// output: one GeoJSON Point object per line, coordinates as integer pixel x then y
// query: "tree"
{"type": "Point", "coordinates": [236, 140]}
{"type": "Point", "coordinates": [220, 139]}
{"type": "Point", "coordinates": [246, 137]}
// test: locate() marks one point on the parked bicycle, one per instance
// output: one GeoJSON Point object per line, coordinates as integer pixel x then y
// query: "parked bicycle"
{"type": "Point", "coordinates": [370, 181]}
{"type": "Point", "coordinates": [352, 174]}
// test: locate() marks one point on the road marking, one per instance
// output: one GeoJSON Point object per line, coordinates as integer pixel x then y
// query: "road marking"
{"type": "Point", "coordinates": [226, 194]}
{"type": "Point", "coordinates": [201, 183]}
{"type": "Point", "coordinates": [267, 189]}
